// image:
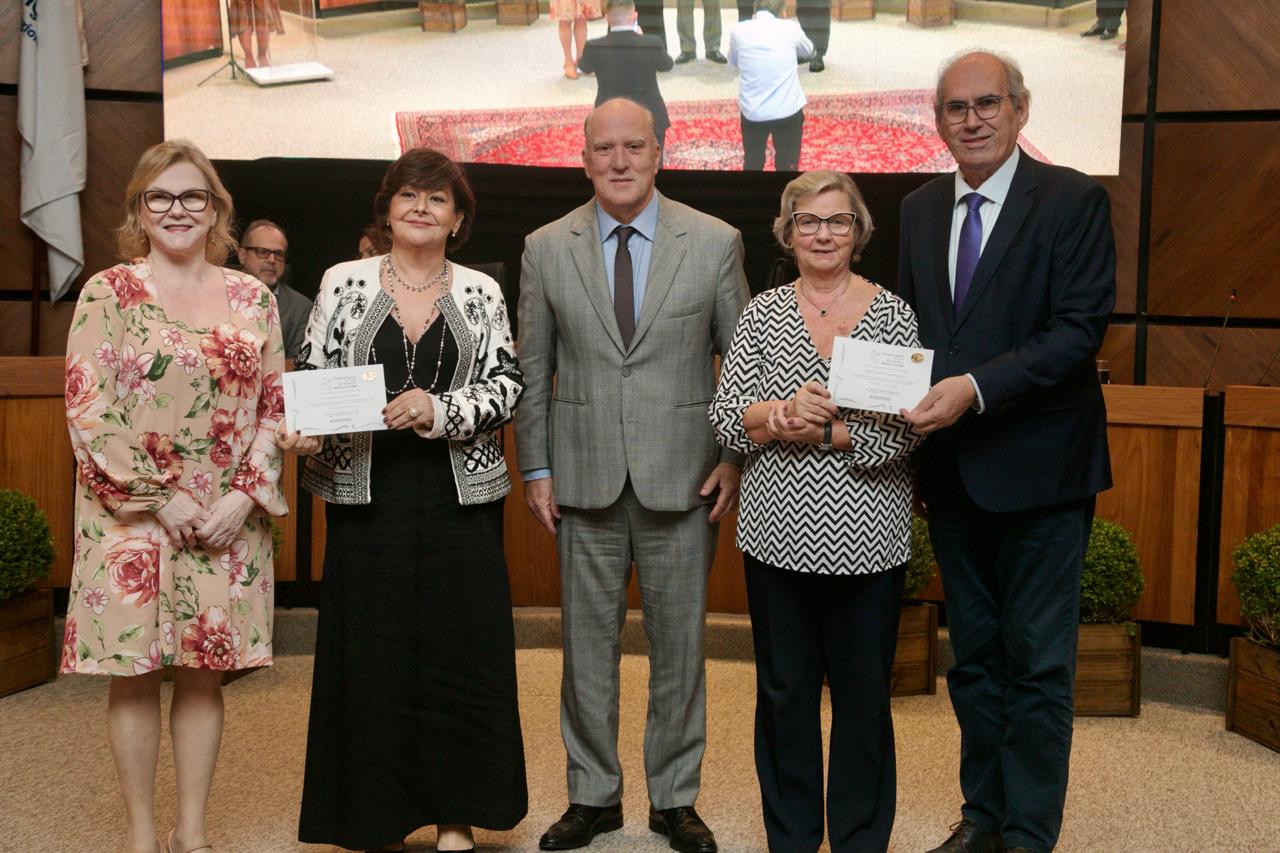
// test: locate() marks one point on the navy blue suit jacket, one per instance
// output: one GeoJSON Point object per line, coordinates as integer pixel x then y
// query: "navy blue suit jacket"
{"type": "Point", "coordinates": [1029, 331]}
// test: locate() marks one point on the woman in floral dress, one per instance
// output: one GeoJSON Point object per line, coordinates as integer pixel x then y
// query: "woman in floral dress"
{"type": "Point", "coordinates": [572, 16]}
{"type": "Point", "coordinates": [173, 395]}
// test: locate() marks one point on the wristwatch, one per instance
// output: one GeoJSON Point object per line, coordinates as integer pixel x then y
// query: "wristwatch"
{"type": "Point", "coordinates": [825, 444]}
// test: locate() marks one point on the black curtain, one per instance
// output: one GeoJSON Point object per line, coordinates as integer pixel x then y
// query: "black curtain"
{"type": "Point", "coordinates": [323, 205]}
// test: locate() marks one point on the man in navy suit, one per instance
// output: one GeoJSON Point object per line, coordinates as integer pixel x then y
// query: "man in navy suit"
{"type": "Point", "coordinates": [626, 65]}
{"type": "Point", "coordinates": [1010, 266]}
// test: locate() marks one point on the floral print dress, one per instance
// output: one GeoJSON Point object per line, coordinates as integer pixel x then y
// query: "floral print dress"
{"type": "Point", "coordinates": [155, 406]}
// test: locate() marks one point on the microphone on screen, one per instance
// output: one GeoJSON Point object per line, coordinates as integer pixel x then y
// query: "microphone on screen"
{"type": "Point", "coordinates": [1231, 303]}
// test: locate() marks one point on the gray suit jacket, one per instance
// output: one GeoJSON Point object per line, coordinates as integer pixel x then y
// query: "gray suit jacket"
{"type": "Point", "coordinates": [616, 412]}
{"type": "Point", "coordinates": [295, 309]}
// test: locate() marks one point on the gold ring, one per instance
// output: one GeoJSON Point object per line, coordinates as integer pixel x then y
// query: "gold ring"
{"type": "Point", "coordinates": [413, 411]}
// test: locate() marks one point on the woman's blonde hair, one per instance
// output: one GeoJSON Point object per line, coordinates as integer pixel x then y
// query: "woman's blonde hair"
{"type": "Point", "coordinates": [813, 183]}
{"type": "Point", "coordinates": [131, 239]}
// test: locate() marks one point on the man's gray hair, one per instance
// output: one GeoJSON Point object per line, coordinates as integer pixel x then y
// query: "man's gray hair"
{"type": "Point", "coordinates": [773, 7]}
{"type": "Point", "coordinates": [1018, 90]}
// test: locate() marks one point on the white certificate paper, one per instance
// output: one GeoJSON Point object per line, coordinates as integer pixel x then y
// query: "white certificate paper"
{"type": "Point", "coordinates": [878, 377]}
{"type": "Point", "coordinates": [342, 399]}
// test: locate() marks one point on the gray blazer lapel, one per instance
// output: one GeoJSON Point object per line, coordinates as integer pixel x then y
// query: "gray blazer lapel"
{"type": "Point", "coordinates": [1017, 205]}
{"type": "Point", "coordinates": [669, 247]}
{"type": "Point", "coordinates": [584, 246]}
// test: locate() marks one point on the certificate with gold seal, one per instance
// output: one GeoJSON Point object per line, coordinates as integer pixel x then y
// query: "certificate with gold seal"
{"type": "Point", "coordinates": [878, 377]}
{"type": "Point", "coordinates": [342, 399]}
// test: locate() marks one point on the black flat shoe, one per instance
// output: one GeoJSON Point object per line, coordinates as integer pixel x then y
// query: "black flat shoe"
{"type": "Point", "coordinates": [1096, 30]}
{"type": "Point", "coordinates": [716, 56]}
{"type": "Point", "coordinates": [686, 830]}
{"type": "Point", "coordinates": [817, 64]}
{"type": "Point", "coordinates": [1108, 35]}
{"type": "Point", "coordinates": [579, 825]}
{"type": "Point", "coordinates": [685, 56]}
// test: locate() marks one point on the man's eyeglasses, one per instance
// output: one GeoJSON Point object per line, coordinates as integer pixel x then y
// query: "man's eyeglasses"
{"type": "Point", "coordinates": [986, 107]}
{"type": "Point", "coordinates": [839, 224]}
{"type": "Point", "coordinates": [262, 254]}
{"type": "Point", "coordinates": [159, 201]}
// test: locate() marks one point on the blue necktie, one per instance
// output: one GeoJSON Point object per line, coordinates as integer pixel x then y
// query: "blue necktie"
{"type": "Point", "coordinates": [969, 250]}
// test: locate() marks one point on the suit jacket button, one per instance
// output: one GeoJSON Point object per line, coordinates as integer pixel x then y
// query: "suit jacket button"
{"type": "Point", "coordinates": [626, 371]}
{"type": "Point", "coordinates": [954, 350]}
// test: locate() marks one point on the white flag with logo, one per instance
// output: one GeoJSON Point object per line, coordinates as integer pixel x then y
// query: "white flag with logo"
{"type": "Point", "coordinates": [51, 121]}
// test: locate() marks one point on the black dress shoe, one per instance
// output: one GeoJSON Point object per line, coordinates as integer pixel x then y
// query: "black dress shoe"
{"type": "Point", "coordinates": [686, 830]}
{"type": "Point", "coordinates": [1108, 35]}
{"type": "Point", "coordinates": [579, 824]}
{"type": "Point", "coordinates": [716, 56]}
{"type": "Point", "coordinates": [1096, 30]}
{"type": "Point", "coordinates": [966, 837]}
{"type": "Point", "coordinates": [816, 64]}
{"type": "Point", "coordinates": [685, 56]}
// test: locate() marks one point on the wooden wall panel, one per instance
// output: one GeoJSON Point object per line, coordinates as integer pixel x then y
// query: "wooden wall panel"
{"type": "Point", "coordinates": [1117, 349]}
{"type": "Point", "coordinates": [1250, 480]}
{"type": "Point", "coordinates": [191, 26]}
{"type": "Point", "coordinates": [119, 131]}
{"type": "Point", "coordinates": [1219, 56]}
{"type": "Point", "coordinates": [1180, 355]}
{"type": "Point", "coordinates": [1137, 55]}
{"type": "Point", "coordinates": [1215, 218]}
{"type": "Point", "coordinates": [122, 47]}
{"type": "Point", "coordinates": [1125, 190]}
{"type": "Point", "coordinates": [35, 453]}
{"type": "Point", "coordinates": [285, 563]}
{"type": "Point", "coordinates": [1155, 438]}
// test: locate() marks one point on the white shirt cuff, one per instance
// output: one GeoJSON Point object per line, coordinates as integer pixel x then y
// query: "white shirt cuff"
{"type": "Point", "coordinates": [978, 406]}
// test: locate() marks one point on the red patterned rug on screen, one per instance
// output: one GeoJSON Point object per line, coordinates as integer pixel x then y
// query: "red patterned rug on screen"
{"type": "Point", "coordinates": [866, 132]}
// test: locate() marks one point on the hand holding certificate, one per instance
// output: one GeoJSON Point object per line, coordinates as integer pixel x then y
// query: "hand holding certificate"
{"type": "Point", "coordinates": [878, 377]}
{"type": "Point", "coordinates": [343, 399]}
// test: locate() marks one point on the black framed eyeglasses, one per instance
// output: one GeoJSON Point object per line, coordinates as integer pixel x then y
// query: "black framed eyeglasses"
{"type": "Point", "coordinates": [986, 107]}
{"type": "Point", "coordinates": [262, 254]}
{"type": "Point", "coordinates": [159, 201]}
{"type": "Point", "coordinates": [839, 224]}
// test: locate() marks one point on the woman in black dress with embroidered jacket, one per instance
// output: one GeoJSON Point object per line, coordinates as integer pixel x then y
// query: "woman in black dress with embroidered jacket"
{"type": "Point", "coordinates": [414, 716]}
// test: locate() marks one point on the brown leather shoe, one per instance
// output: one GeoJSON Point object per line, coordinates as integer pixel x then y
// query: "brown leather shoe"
{"type": "Point", "coordinates": [686, 830]}
{"type": "Point", "coordinates": [966, 837]}
{"type": "Point", "coordinates": [579, 824]}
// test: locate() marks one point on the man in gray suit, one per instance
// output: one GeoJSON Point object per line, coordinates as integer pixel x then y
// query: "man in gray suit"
{"type": "Point", "coordinates": [625, 302]}
{"type": "Point", "coordinates": [263, 249]}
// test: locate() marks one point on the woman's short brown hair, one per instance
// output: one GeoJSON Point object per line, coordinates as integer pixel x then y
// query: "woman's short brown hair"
{"type": "Point", "coordinates": [131, 239]}
{"type": "Point", "coordinates": [426, 169]}
{"type": "Point", "coordinates": [813, 183]}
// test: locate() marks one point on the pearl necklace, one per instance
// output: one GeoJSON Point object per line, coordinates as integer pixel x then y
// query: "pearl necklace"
{"type": "Point", "coordinates": [411, 349]}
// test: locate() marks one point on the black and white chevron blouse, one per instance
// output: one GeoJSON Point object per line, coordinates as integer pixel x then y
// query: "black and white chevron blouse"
{"type": "Point", "coordinates": [803, 508]}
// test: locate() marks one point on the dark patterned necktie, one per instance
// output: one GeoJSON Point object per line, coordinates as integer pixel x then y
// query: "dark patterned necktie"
{"type": "Point", "coordinates": [969, 250]}
{"type": "Point", "coordinates": [624, 301]}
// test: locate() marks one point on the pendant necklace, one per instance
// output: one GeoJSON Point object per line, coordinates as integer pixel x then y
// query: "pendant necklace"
{"type": "Point", "coordinates": [411, 348]}
{"type": "Point", "coordinates": [822, 310]}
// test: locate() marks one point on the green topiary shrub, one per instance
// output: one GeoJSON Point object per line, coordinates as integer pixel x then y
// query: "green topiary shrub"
{"type": "Point", "coordinates": [920, 568]}
{"type": "Point", "coordinates": [1257, 579]}
{"type": "Point", "coordinates": [26, 546]}
{"type": "Point", "coordinates": [1112, 580]}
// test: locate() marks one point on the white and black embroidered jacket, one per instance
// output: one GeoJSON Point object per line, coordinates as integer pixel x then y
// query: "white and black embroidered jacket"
{"type": "Point", "coordinates": [482, 395]}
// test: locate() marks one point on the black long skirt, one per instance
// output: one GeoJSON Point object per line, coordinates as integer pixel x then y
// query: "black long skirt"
{"type": "Point", "coordinates": [414, 716]}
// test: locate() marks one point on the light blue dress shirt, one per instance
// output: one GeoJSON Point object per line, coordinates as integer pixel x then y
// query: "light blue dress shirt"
{"type": "Point", "coordinates": [641, 245]}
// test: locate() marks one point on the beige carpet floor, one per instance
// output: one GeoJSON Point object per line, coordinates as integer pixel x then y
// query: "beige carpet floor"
{"type": "Point", "coordinates": [1172, 780]}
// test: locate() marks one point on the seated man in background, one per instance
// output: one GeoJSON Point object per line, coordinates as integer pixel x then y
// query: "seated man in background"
{"type": "Point", "coordinates": [764, 50]}
{"type": "Point", "coordinates": [263, 249]}
{"type": "Point", "coordinates": [626, 64]}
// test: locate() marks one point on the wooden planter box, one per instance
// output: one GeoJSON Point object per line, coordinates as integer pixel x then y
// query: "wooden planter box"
{"type": "Point", "coordinates": [1109, 670]}
{"type": "Point", "coordinates": [915, 664]}
{"type": "Point", "coordinates": [930, 13]}
{"type": "Point", "coordinates": [853, 10]}
{"type": "Point", "coordinates": [517, 11]}
{"type": "Point", "coordinates": [1253, 692]}
{"type": "Point", "coordinates": [28, 647]}
{"type": "Point", "coordinates": [446, 17]}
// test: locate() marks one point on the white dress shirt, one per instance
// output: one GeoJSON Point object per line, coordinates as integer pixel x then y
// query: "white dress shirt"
{"type": "Point", "coordinates": [994, 190]}
{"type": "Point", "coordinates": [764, 50]}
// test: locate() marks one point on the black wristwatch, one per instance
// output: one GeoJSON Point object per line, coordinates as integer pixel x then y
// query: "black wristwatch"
{"type": "Point", "coordinates": [825, 444]}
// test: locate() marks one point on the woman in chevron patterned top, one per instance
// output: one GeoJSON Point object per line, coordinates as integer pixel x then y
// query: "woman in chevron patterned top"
{"type": "Point", "coordinates": [824, 527]}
